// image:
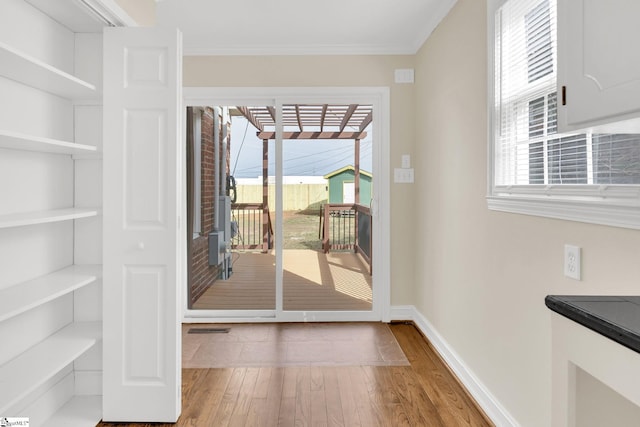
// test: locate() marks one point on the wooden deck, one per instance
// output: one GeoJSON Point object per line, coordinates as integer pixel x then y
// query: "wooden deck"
{"type": "Point", "coordinates": [312, 281]}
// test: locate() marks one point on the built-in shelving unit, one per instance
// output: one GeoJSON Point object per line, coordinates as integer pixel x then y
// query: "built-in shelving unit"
{"type": "Point", "coordinates": [28, 70]}
{"type": "Point", "coordinates": [80, 411]}
{"type": "Point", "coordinates": [42, 217]}
{"type": "Point", "coordinates": [20, 141]}
{"type": "Point", "coordinates": [24, 296]}
{"type": "Point", "coordinates": [34, 367]}
{"type": "Point", "coordinates": [50, 64]}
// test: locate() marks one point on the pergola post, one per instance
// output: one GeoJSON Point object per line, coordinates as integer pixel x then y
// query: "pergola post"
{"type": "Point", "coordinates": [265, 195]}
{"type": "Point", "coordinates": [356, 172]}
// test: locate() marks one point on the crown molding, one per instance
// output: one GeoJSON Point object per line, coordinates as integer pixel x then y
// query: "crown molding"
{"type": "Point", "coordinates": [282, 50]}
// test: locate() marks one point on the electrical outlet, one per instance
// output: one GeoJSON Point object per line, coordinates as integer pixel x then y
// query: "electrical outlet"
{"type": "Point", "coordinates": [572, 262]}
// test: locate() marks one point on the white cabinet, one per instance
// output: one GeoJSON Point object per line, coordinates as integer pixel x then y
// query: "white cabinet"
{"type": "Point", "coordinates": [598, 62]}
{"type": "Point", "coordinates": [50, 214]}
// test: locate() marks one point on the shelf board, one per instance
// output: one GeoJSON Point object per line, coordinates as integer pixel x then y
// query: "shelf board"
{"type": "Point", "coordinates": [42, 217]}
{"type": "Point", "coordinates": [26, 372]}
{"type": "Point", "coordinates": [19, 141]}
{"type": "Point", "coordinates": [24, 296]}
{"type": "Point", "coordinates": [80, 411]}
{"type": "Point", "coordinates": [26, 69]}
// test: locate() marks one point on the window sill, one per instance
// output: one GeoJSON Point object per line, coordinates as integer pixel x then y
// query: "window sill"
{"type": "Point", "coordinates": [590, 211]}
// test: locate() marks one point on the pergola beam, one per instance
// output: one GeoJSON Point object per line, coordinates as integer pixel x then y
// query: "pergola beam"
{"type": "Point", "coordinates": [366, 121]}
{"type": "Point", "coordinates": [272, 113]}
{"type": "Point", "coordinates": [323, 115]}
{"type": "Point", "coordinates": [313, 135]}
{"type": "Point", "coordinates": [347, 116]}
{"type": "Point", "coordinates": [298, 118]}
{"type": "Point", "coordinates": [252, 119]}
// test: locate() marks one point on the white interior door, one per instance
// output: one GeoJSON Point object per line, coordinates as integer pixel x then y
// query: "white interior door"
{"type": "Point", "coordinates": [143, 274]}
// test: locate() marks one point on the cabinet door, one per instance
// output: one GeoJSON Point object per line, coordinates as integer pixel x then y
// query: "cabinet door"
{"type": "Point", "coordinates": [598, 61]}
{"type": "Point", "coordinates": [142, 208]}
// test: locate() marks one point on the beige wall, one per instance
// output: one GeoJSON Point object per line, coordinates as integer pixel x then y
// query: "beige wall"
{"type": "Point", "coordinates": [338, 71]}
{"type": "Point", "coordinates": [482, 276]}
{"type": "Point", "coordinates": [142, 11]}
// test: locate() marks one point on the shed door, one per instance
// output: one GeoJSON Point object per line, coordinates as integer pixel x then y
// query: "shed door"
{"type": "Point", "coordinates": [348, 192]}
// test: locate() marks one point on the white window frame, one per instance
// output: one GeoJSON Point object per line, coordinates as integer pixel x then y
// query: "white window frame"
{"type": "Point", "coordinates": [612, 205]}
{"type": "Point", "coordinates": [197, 172]}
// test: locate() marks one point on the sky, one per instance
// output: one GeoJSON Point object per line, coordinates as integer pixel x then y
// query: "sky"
{"type": "Point", "coordinates": [301, 157]}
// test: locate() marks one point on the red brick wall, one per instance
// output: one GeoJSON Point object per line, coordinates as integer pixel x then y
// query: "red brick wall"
{"type": "Point", "coordinates": [202, 275]}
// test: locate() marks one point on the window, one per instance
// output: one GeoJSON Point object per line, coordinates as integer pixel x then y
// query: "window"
{"type": "Point", "coordinates": [535, 169]}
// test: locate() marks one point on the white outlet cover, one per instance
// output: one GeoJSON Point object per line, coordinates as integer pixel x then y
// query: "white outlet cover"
{"type": "Point", "coordinates": [572, 261]}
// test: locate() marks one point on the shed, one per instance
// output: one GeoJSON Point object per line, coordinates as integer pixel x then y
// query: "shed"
{"type": "Point", "coordinates": [341, 184]}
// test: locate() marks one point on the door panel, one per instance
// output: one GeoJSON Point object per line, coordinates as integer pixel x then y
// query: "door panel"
{"type": "Point", "coordinates": [142, 211]}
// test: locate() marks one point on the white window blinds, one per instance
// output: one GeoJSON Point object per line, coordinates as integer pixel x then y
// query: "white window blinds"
{"type": "Point", "coordinates": [528, 151]}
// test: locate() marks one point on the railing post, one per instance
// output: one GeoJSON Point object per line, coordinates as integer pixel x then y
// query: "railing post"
{"type": "Point", "coordinates": [326, 244]}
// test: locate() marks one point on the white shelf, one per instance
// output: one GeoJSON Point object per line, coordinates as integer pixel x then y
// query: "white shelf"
{"type": "Point", "coordinates": [19, 141]}
{"type": "Point", "coordinates": [24, 296]}
{"type": "Point", "coordinates": [25, 373]}
{"type": "Point", "coordinates": [41, 217]}
{"type": "Point", "coordinates": [80, 411]}
{"type": "Point", "coordinates": [26, 69]}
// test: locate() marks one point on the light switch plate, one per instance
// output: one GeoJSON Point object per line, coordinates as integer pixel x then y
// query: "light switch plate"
{"type": "Point", "coordinates": [403, 175]}
{"type": "Point", "coordinates": [404, 75]}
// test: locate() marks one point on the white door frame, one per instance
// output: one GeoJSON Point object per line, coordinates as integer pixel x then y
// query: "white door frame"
{"type": "Point", "coordinates": [379, 98]}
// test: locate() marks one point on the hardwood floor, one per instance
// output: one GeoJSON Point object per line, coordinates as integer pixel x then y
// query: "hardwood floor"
{"type": "Point", "coordinates": [422, 394]}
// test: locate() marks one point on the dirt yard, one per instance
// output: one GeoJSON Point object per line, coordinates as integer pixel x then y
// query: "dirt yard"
{"type": "Point", "coordinates": [301, 230]}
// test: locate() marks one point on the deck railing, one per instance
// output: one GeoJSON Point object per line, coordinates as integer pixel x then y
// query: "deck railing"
{"type": "Point", "coordinates": [347, 227]}
{"type": "Point", "coordinates": [255, 230]}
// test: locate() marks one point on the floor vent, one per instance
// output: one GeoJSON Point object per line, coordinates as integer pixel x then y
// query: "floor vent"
{"type": "Point", "coordinates": [209, 330]}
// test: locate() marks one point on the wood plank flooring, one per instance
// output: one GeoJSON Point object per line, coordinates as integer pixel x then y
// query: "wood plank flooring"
{"type": "Point", "coordinates": [422, 394]}
{"type": "Point", "coordinates": [290, 344]}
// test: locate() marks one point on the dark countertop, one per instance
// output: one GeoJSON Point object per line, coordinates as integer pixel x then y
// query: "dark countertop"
{"type": "Point", "coordinates": [615, 317]}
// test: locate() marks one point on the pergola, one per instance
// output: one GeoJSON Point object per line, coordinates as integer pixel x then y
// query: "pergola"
{"type": "Point", "coordinates": [309, 122]}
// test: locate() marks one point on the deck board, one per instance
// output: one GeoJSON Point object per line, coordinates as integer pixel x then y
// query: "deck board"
{"type": "Point", "coordinates": [312, 281]}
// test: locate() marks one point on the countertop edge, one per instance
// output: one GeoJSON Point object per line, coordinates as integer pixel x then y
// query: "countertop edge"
{"type": "Point", "coordinates": [623, 336]}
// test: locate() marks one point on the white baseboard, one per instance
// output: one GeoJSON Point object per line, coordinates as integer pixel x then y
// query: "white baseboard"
{"type": "Point", "coordinates": [489, 404]}
{"type": "Point", "coordinates": [402, 312]}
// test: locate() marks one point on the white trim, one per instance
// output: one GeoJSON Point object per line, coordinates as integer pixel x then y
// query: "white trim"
{"type": "Point", "coordinates": [110, 11]}
{"type": "Point", "coordinates": [379, 97]}
{"type": "Point", "coordinates": [402, 312]}
{"type": "Point", "coordinates": [279, 236]}
{"type": "Point", "coordinates": [308, 50]}
{"type": "Point", "coordinates": [617, 206]}
{"type": "Point", "coordinates": [489, 404]}
{"type": "Point", "coordinates": [262, 316]}
{"type": "Point", "coordinates": [583, 211]}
